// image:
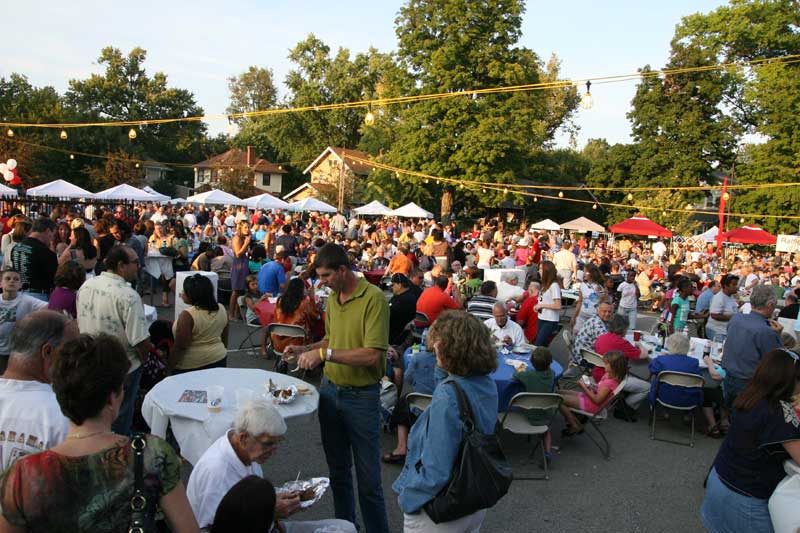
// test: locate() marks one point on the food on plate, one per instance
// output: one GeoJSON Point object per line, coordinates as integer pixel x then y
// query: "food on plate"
{"type": "Point", "coordinates": [309, 494]}
{"type": "Point", "coordinates": [282, 393]}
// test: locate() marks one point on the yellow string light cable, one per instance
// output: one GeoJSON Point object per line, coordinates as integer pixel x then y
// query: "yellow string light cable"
{"type": "Point", "coordinates": [787, 59]}
{"type": "Point", "coordinates": [137, 160]}
{"type": "Point", "coordinates": [397, 170]}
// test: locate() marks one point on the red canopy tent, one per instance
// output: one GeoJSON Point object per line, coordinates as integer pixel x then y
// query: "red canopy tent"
{"type": "Point", "coordinates": [749, 235]}
{"type": "Point", "coordinates": [640, 225]}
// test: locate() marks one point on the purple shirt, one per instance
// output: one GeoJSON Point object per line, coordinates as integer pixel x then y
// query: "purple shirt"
{"type": "Point", "coordinates": [63, 299]}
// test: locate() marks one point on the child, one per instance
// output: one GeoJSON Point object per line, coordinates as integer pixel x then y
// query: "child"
{"type": "Point", "coordinates": [593, 398]}
{"type": "Point", "coordinates": [540, 380]}
{"type": "Point", "coordinates": [629, 299]}
{"type": "Point", "coordinates": [252, 297]}
{"type": "Point", "coordinates": [13, 306]}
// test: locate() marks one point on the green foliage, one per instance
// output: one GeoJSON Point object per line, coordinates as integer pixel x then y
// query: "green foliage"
{"type": "Point", "coordinates": [253, 90]}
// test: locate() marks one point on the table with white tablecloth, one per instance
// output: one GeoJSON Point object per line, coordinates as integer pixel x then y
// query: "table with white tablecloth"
{"type": "Point", "coordinates": [194, 426]}
{"type": "Point", "coordinates": [157, 265]}
{"type": "Point", "coordinates": [150, 314]}
{"type": "Point", "coordinates": [504, 274]}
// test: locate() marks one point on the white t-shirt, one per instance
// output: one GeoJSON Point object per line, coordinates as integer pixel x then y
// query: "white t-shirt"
{"type": "Point", "coordinates": [549, 297]}
{"type": "Point", "coordinates": [659, 248]}
{"type": "Point", "coordinates": [484, 257]}
{"type": "Point", "coordinates": [158, 217]}
{"type": "Point", "coordinates": [215, 473]}
{"type": "Point", "coordinates": [13, 310]}
{"type": "Point", "coordinates": [508, 262]}
{"type": "Point", "coordinates": [190, 220]}
{"type": "Point", "coordinates": [507, 291]}
{"type": "Point", "coordinates": [721, 304]}
{"type": "Point", "coordinates": [30, 420]}
{"type": "Point", "coordinates": [628, 291]}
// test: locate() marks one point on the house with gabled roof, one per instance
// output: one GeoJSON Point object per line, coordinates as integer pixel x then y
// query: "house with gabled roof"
{"type": "Point", "coordinates": [266, 176]}
{"type": "Point", "coordinates": [334, 168]}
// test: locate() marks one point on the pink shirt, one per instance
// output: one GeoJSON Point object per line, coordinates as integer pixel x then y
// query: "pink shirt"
{"type": "Point", "coordinates": [521, 255]}
{"type": "Point", "coordinates": [588, 405]}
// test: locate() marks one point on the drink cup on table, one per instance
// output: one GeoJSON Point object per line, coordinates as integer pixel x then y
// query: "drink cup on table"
{"type": "Point", "coordinates": [214, 398]}
{"type": "Point", "coordinates": [637, 335]}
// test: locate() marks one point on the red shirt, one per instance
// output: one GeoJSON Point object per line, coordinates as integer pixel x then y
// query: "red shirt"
{"type": "Point", "coordinates": [611, 341]}
{"type": "Point", "coordinates": [433, 301]}
{"type": "Point", "coordinates": [529, 318]}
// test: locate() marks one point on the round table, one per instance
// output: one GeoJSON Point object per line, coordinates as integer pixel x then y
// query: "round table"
{"type": "Point", "coordinates": [503, 378]}
{"type": "Point", "coordinates": [157, 265]}
{"type": "Point", "coordinates": [374, 276]}
{"type": "Point", "coordinates": [194, 426]}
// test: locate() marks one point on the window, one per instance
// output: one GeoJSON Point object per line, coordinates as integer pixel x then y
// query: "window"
{"type": "Point", "coordinates": [266, 180]}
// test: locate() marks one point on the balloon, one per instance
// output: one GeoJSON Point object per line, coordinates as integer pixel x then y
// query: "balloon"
{"type": "Point", "coordinates": [12, 164]}
{"type": "Point", "coordinates": [3, 168]}
{"type": "Point", "coordinates": [8, 175]}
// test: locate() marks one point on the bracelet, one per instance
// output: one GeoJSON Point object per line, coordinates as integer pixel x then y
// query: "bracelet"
{"type": "Point", "coordinates": [321, 355]}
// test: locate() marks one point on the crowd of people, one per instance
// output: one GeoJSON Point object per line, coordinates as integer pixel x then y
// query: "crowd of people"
{"type": "Point", "coordinates": [73, 283]}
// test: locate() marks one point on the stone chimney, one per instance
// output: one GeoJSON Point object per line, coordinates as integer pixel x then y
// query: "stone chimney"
{"type": "Point", "coordinates": [251, 156]}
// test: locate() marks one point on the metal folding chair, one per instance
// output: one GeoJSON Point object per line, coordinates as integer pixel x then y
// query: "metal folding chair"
{"type": "Point", "coordinates": [515, 420]}
{"type": "Point", "coordinates": [593, 358]}
{"type": "Point", "coordinates": [595, 419]}
{"type": "Point", "coordinates": [676, 379]}
{"type": "Point", "coordinates": [252, 328]}
{"type": "Point", "coordinates": [283, 330]}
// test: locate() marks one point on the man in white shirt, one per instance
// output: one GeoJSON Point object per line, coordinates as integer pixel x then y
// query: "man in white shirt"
{"type": "Point", "coordinates": [566, 264]}
{"type": "Point", "coordinates": [108, 304]}
{"type": "Point", "coordinates": [160, 216]}
{"type": "Point", "coordinates": [30, 417]}
{"type": "Point", "coordinates": [504, 330]}
{"type": "Point", "coordinates": [659, 249]}
{"type": "Point", "coordinates": [338, 223]}
{"type": "Point", "coordinates": [722, 307]}
{"type": "Point", "coordinates": [189, 218]}
{"type": "Point", "coordinates": [257, 431]}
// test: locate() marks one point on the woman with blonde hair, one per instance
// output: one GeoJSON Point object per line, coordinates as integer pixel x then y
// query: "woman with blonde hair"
{"type": "Point", "coordinates": [240, 268]}
{"type": "Point", "coordinates": [463, 348]}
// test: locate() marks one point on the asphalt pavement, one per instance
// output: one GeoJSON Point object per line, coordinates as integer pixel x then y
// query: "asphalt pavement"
{"type": "Point", "coordinates": [646, 485]}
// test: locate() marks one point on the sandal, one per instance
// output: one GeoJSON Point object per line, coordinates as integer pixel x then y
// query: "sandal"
{"type": "Point", "coordinates": [571, 432]}
{"type": "Point", "coordinates": [394, 458]}
{"type": "Point", "coordinates": [713, 432]}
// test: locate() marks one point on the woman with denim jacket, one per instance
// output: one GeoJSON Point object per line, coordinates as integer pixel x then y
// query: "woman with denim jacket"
{"type": "Point", "coordinates": [463, 349]}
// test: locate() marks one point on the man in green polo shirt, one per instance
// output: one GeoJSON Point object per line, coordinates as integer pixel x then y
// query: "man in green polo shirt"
{"type": "Point", "coordinates": [354, 352]}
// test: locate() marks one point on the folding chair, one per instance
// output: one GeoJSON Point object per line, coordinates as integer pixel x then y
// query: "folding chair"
{"type": "Point", "coordinates": [283, 330]}
{"type": "Point", "coordinates": [676, 379]}
{"type": "Point", "coordinates": [593, 358]}
{"type": "Point", "coordinates": [417, 401]}
{"type": "Point", "coordinates": [595, 419]}
{"type": "Point", "coordinates": [568, 337]}
{"type": "Point", "coordinates": [252, 328]}
{"type": "Point", "coordinates": [516, 420]}
{"type": "Point", "coordinates": [418, 325]}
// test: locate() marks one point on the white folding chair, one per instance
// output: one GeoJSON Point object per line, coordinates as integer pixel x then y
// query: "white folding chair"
{"type": "Point", "coordinates": [568, 337]}
{"type": "Point", "coordinates": [252, 328]}
{"type": "Point", "coordinates": [676, 379]}
{"type": "Point", "coordinates": [283, 330]}
{"type": "Point", "coordinates": [417, 402]}
{"type": "Point", "coordinates": [595, 419]}
{"type": "Point", "coordinates": [516, 420]}
{"type": "Point", "coordinates": [593, 358]}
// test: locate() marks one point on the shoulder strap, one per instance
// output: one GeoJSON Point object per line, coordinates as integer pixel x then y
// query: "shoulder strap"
{"type": "Point", "coordinates": [464, 408]}
{"type": "Point", "coordinates": [138, 500]}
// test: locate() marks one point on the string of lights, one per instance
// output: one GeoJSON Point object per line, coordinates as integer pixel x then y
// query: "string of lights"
{"type": "Point", "coordinates": [377, 102]}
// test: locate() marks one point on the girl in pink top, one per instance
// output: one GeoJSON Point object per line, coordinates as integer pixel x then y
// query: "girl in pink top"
{"type": "Point", "coordinates": [593, 398]}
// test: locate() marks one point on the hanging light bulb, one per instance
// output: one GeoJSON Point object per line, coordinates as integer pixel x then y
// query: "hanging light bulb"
{"type": "Point", "coordinates": [10, 132]}
{"type": "Point", "coordinates": [630, 196]}
{"type": "Point", "coordinates": [231, 169]}
{"type": "Point", "coordinates": [561, 194]}
{"type": "Point", "coordinates": [726, 196]}
{"type": "Point", "coordinates": [741, 220]}
{"type": "Point", "coordinates": [586, 100]}
{"type": "Point", "coordinates": [280, 167]}
{"type": "Point", "coordinates": [131, 134]}
{"type": "Point", "coordinates": [663, 213]}
{"type": "Point", "coordinates": [594, 206]}
{"type": "Point", "coordinates": [688, 207]}
{"type": "Point", "coordinates": [369, 118]}
{"type": "Point", "coordinates": [72, 156]}
{"type": "Point", "coordinates": [505, 190]}
{"type": "Point", "coordinates": [461, 186]}
{"type": "Point", "coordinates": [137, 165]}
{"type": "Point", "coordinates": [63, 135]}
{"type": "Point", "coordinates": [428, 181]}
{"type": "Point", "coordinates": [483, 191]}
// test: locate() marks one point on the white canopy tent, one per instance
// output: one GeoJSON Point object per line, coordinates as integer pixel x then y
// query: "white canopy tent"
{"type": "Point", "coordinates": [125, 192]}
{"type": "Point", "coordinates": [411, 210]}
{"type": "Point", "coordinates": [158, 197]}
{"type": "Point", "coordinates": [582, 225]}
{"type": "Point", "coordinates": [546, 224]}
{"type": "Point", "coordinates": [372, 208]}
{"type": "Point", "coordinates": [215, 197]}
{"type": "Point", "coordinates": [59, 189]}
{"type": "Point", "coordinates": [312, 204]}
{"type": "Point", "coordinates": [265, 201]}
{"type": "Point", "coordinates": [7, 191]}
{"type": "Point", "coordinates": [177, 201]}
{"type": "Point", "coordinates": [709, 235]}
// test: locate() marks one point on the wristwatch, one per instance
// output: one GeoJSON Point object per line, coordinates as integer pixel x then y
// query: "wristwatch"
{"type": "Point", "coordinates": [328, 354]}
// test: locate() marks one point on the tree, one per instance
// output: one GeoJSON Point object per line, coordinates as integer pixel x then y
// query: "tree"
{"type": "Point", "coordinates": [119, 168]}
{"type": "Point", "coordinates": [253, 90]}
{"type": "Point", "coordinates": [454, 46]}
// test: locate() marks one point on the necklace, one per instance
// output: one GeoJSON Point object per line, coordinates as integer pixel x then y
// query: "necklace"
{"type": "Point", "coordinates": [86, 436]}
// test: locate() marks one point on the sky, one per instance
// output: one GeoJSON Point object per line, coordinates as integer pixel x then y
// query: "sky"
{"type": "Point", "coordinates": [200, 44]}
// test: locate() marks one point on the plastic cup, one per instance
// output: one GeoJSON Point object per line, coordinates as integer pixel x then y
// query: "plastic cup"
{"type": "Point", "coordinates": [637, 336]}
{"type": "Point", "coordinates": [243, 396]}
{"type": "Point", "coordinates": [214, 398]}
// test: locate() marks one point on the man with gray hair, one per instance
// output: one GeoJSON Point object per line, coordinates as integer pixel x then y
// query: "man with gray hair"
{"type": "Point", "coordinates": [258, 429]}
{"type": "Point", "coordinates": [30, 418]}
{"type": "Point", "coordinates": [750, 336]}
{"type": "Point", "coordinates": [504, 330]}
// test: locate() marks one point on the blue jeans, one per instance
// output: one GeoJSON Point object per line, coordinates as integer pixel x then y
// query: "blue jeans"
{"type": "Point", "coordinates": [727, 511]}
{"type": "Point", "coordinates": [546, 329]}
{"type": "Point", "coordinates": [122, 425]}
{"type": "Point", "coordinates": [630, 314]}
{"type": "Point", "coordinates": [349, 419]}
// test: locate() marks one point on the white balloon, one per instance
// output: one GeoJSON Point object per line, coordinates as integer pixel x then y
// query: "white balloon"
{"type": "Point", "coordinates": [8, 175]}
{"type": "Point", "coordinates": [3, 168]}
{"type": "Point", "coordinates": [12, 164]}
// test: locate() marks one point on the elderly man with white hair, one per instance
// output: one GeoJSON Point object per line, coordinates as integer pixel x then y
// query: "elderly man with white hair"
{"type": "Point", "coordinates": [504, 330]}
{"type": "Point", "coordinates": [257, 431]}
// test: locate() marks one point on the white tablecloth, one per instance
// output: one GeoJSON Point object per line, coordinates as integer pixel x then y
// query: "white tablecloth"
{"type": "Point", "coordinates": [194, 426]}
{"type": "Point", "coordinates": [503, 274]}
{"type": "Point", "coordinates": [157, 265]}
{"type": "Point", "coordinates": [150, 314]}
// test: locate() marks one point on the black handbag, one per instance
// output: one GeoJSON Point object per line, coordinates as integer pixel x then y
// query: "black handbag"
{"type": "Point", "coordinates": [482, 474]}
